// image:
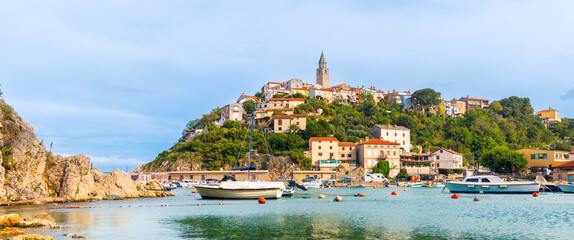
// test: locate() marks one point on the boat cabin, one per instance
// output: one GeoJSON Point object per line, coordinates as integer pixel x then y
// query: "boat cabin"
{"type": "Point", "coordinates": [483, 179]}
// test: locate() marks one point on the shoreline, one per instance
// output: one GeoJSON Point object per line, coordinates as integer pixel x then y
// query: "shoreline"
{"type": "Point", "coordinates": [64, 200]}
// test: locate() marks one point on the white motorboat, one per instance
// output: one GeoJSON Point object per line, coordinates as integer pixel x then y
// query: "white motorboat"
{"type": "Point", "coordinates": [229, 188]}
{"type": "Point", "coordinates": [241, 190]}
{"type": "Point", "coordinates": [312, 183]}
{"type": "Point", "coordinates": [189, 183]}
{"type": "Point", "coordinates": [289, 191]}
{"type": "Point", "coordinates": [491, 184]}
{"type": "Point", "coordinates": [437, 185]}
{"type": "Point", "coordinates": [567, 188]}
{"type": "Point", "coordinates": [415, 182]}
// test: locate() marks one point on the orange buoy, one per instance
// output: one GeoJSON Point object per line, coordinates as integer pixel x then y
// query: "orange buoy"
{"type": "Point", "coordinates": [454, 196]}
{"type": "Point", "coordinates": [193, 190]}
{"type": "Point", "coordinates": [535, 194]}
{"type": "Point", "coordinates": [220, 203]}
{"type": "Point", "coordinates": [394, 193]}
{"type": "Point", "coordinates": [361, 195]}
{"type": "Point", "coordinates": [374, 187]}
{"type": "Point", "coordinates": [261, 200]}
{"type": "Point", "coordinates": [404, 190]}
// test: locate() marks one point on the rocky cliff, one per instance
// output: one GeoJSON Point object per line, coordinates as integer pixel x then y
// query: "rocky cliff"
{"type": "Point", "coordinates": [28, 172]}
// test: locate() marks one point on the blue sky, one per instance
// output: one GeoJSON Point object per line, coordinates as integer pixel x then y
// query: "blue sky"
{"type": "Point", "coordinates": [118, 80]}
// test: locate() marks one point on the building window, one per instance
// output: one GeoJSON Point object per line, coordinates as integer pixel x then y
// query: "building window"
{"type": "Point", "coordinates": [395, 134]}
{"type": "Point", "coordinates": [387, 133]}
{"type": "Point", "coordinates": [539, 156]}
{"type": "Point", "coordinates": [330, 147]}
{"type": "Point", "coordinates": [342, 155]}
{"type": "Point", "coordinates": [319, 147]}
{"type": "Point", "coordinates": [343, 148]}
{"type": "Point", "coordinates": [279, 128]}
{"type": "Point", "coordinates": [403, 142]}
{"type": "Point", "coordinates": [437, 157]}
{"type": "Point", "coordinates": [403, 135]}
{"type": "Point", "coordinates": [320, 154]}
{"type": "Point", "coordinates": [349, 155]}
{"type": "Point", "coordinates": [280, 122]}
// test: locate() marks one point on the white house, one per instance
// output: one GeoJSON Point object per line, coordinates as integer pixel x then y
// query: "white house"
{"type": "Point", "coordinates": [447, 159]}
{"type": "Point", "coordinates": [393, 133]}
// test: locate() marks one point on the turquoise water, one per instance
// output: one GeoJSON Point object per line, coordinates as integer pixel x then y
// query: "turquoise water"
{"type": "Point", "coordinates": [418, 213]}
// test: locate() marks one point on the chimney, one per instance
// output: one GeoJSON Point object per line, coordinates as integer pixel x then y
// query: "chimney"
{"type": "Point", "coordinates": [366, 139]}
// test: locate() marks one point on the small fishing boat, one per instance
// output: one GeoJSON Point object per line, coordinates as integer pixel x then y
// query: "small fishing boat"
{"type": "Point", "coordinates": [415, 182]}
{"type": "Point", "coordinates": [289, 191]}
{"type": "Point", "coordinates": [491, 184]}
{"type": "Point", "coordinates": [567, 188]}
{"type": "Point", "coordinates": [312, 182]}
{"type": "Point", "coordinates": [436, 185]}
{"type": "Point", "coordinates": [187, 183]}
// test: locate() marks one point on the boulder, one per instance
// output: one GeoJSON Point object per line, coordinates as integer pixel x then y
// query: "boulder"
{"type": "Point", "coordinates": [9, 220]}
{"type": "Point", "coordinates": [34, 223]}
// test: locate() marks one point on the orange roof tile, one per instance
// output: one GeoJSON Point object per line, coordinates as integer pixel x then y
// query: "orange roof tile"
{"type": "Point", "coordinates": [562, 164]}
{"type": "Point", "coordinates": [300, 88]}
{"type": "Point", "coordinates": [451, 151]}
{"type": "Point", "coordinates": [346, 144]}
{"type": "Point", "coordinates": [546, 110]}
{"type": "Point", "coordinates": [275, 82]}
{"type": "Point", "coordinates": [379, 141]}
{"type": "Point", "coordinates": [323, 139]}
{"type": "Point", "coordinates": [572, 152]}
{"type": "Point", "coordinates": [287, 99]}
{"type": "Point", "coordinates": [282, 116]}
{"type": "Point", "coordinates": [298, 115]}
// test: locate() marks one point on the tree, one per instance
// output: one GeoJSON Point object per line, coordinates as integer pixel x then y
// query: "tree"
{"type": "Point", "coordinates": [382, 167]}
{"type": "Point", "coordinates": [502, 159]}
{"type": "Point", "coordinates": [248, 106]}
{"type": "Point", "coordinates": [426, 98]}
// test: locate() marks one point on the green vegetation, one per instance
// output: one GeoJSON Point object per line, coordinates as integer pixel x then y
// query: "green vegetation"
{"type": "Point", "coordinates": [383, 168]}
{"type": "Point", "coordinates": [507, 124]}
{"type": "Point", "coordinates": [502, 159]}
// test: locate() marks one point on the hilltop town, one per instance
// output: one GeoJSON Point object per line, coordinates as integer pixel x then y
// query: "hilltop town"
{"type": "Point", "coordinates": [328, 131]}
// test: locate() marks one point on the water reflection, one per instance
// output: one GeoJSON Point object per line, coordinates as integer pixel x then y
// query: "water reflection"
{"type": "Point", "coordinates": [293, 227]}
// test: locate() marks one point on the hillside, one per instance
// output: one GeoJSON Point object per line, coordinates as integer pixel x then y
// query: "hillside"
{"type": "Point", "coordinates": [509, 122]}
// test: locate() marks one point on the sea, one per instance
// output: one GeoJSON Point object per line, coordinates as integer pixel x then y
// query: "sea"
{"type": "Point", "coordinates": [413, 213]}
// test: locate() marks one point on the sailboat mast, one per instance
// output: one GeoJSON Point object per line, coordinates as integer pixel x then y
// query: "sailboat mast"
{"type": "Point", "coordinates": [251, 140]}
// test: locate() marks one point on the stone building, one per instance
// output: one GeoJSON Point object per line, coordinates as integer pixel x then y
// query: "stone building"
{"type": "Point", "coordinates": [323, 73]}
{"type": "Point", "coordinates": [370, 152]}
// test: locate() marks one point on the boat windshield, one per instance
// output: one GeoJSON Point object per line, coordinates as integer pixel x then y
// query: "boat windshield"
{"type": "Point", "coordinates": [485, 180]}
{"type": "Point", "coordinates": [471, 180]}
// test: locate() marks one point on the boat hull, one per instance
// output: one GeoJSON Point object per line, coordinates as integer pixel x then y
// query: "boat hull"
{"type": "Point", "coordinates": [241, 190]}
{"type": "Point", "coordinates": [566, 188]}
{"type": "Point", "coordinates": [510, 188]}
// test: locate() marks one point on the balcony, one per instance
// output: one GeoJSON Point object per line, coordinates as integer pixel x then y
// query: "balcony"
{"type": "Point", "coordinates": [329, 163]}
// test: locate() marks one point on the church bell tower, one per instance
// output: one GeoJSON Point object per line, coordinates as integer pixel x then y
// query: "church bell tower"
{"type": "Point", "coordinates": [323, 72]}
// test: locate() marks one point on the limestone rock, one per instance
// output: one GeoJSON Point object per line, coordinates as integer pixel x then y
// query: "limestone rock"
{"type": "Point", "coordinates": [9, 220]}
{"type": "Point", "coordinates": [12, 231]}
{"type": "Point", "coordinates": [31, 237]}
{"type": "Point", "coordinates": [34, 223]}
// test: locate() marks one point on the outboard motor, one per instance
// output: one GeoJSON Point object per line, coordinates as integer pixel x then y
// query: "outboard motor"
{"type": "Point", "coordinates": [228, 178]}
{"type": "Point", "coordinates": [292, 183]}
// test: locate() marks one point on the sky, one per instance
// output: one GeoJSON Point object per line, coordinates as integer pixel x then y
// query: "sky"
{"type": "Point", "coordinates": [119, 80]}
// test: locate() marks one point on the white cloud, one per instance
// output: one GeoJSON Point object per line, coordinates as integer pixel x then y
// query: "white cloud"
{"type": "Point", "coordinates": [110, 163]}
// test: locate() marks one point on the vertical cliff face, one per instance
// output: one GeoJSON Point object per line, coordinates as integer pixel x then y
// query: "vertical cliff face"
{"type": "Point", "coordinates": [23, 158]}
{"type": "Point", "coordinates": [28, 172]}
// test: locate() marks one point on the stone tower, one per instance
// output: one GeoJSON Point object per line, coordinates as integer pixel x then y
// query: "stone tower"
{"type": "Point", "coordinates": [323, 72]}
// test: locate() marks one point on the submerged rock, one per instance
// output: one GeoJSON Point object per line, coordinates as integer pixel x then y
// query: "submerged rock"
{"type": "Point", "coordinates": [11, 231]}
{"type": "Point", "coordinates": [73, 235]}
{"type": "Point", "coordinates": [31, 237]}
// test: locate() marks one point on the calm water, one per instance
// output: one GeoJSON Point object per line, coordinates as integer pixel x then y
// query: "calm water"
{"type": "Point", "coordinates": [418, 213]}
